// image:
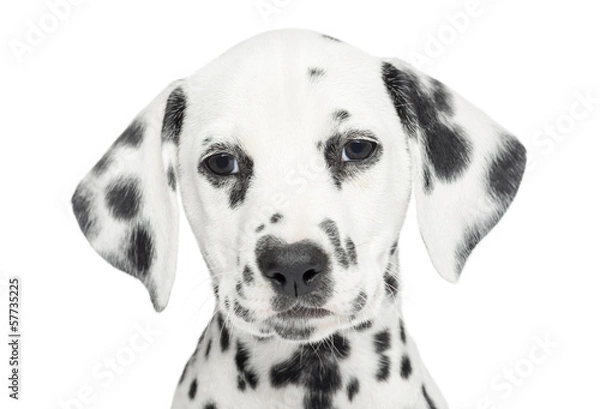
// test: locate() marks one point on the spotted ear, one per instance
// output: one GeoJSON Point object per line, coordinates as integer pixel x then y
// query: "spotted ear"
{"type": "Point", "coordinates": [127, 204]}
{"type": "Point", "coordinates": [466, 168]}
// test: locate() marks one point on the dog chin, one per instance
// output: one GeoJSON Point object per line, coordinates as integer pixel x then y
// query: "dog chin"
{"type": "Point", "coordinates": [309, 330]}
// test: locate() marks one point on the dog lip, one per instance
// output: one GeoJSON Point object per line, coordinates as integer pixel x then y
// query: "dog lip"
{"type": "Point", "coordinates": [303, 313]}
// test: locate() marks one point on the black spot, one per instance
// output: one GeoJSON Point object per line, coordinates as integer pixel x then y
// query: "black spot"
{"type": "Point", "coordinates": [82, 202]}
{"type": "Point", "coordinates": [132, 136]}
{"type": "Point", "coordinates": [344, 256]}
{"type": "Point", "coordinates": [245, 372]}
{"type": "Point", "coordinates": [353, 388]}
{"type": "Point", "coordinates": [351, 251]}
{"type": "Point", "coordinates": [341, 115]}
{"type": "Point", "coordinates": [102, 165]}
{"type": "Point", "coordinates": [427, 182]}
{"type": "Point", "coordinates": [430, 403]}
{"type": "Point", "coordinates": [140, 251]}
{"type": "Point", "coordinates": [340, 170]}
{"type": "Point", "coordinates": [382, 342]}
{"type": "Point", "coordinates": [442, 98]}
{"type": "Point", "coordinates": [405, 367]}
{"type": "Point", "coordinates": [276, 217]}
{"type": "Point", "coordinates": [393, 248]}
{"type": "Point", "coordinates": [123, 198]}
{"type": "Point", "coordinates": [216, 291]}
{"type": "Point", "coordinates": [193, 389]}
{"type": "Point", "coordinates": [239, 289]}
{"type": "Point", "coordinates": [448, 150]}
{"type": "Point", "coordinates": [206, 140]}
{"type": "Point", "coordinates": [241, 383]}
{"type": "Point", "coordinates": [359, 302]}
{"type": "Point", "coordinates": [248, 275]}
{"type": "Point", "coordinates": [208, 348]}
{"type": "Point", "coordinates": [391, 283]}
{"type": "Point", "coordinates": [260, 228]}
{"type": "Point", "coordinates": [242, 312]}
{"type": "Point", "coordinates": [383, 368]}
{"type": "Point", "coordinates": [174, 116]}
{"type": "Point", "coordinates": [506, 171]}
{"type": "Point", "coordinates": [210, 405]}
{"type": "Point", "coordinates": [363, 326]}
{"type": "Point", "coordinates": [402, 332]}
{"type": "Point", "coordinates": [315, 73]}
{"type": "Point", "coordinates": [330, 38]}
{"type": "Point", "coordinates": [238, 191]}
{"type": "Point", "coordinates": [171, 179]}
{"type": "Point", "coordinates": [225, 337]}
{"type": "Point", "coordinates": [316, 367]}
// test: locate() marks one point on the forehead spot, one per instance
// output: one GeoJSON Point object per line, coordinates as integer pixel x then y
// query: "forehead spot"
{"type": "Point", "coordinates": [276, 217]}
{"type": "Point", "coordinates": [330, 38]}
{"type": "Point", "coordinates": [315, 73]}
{"type": "Point", "coordinates": [341, 115]}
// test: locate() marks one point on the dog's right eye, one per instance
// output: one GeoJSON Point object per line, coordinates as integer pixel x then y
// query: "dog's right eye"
{"type": "Point", "coordinates": [222, 164]}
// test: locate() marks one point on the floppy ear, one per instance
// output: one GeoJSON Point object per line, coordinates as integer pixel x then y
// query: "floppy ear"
{"type": "Point", "coordinates": [466, 168]}
{"type": "Point", "coordinates": [127, 204]}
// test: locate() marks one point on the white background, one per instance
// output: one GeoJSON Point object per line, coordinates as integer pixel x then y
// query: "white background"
{"type": "Point", "coordinates": [536, 275]}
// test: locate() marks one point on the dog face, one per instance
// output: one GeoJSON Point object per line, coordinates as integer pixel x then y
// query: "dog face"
{"type": "Point", "coordinates": [294, 155]}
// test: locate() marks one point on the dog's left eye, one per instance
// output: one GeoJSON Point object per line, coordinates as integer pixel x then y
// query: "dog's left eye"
{"type": "Point", "coordinates": [222, 164]}
{"type": "Point", "coordinates": [358, 149]}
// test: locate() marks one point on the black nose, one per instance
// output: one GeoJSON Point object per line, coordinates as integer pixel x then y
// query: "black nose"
{"type": "Point", "coordinates": [293, 269]}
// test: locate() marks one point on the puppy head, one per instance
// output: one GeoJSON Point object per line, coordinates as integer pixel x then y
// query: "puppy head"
{"type": "Point", "coordinates": [294, 155]}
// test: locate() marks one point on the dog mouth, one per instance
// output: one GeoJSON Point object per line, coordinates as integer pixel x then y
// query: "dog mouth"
{"type": "Point", "coordinates": [300, 313]}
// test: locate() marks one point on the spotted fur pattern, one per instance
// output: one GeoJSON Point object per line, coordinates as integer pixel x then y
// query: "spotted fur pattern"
{"type": "Point", "coordinates": [300, 240]}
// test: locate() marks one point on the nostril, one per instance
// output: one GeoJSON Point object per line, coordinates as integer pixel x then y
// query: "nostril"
{"type": "Point", "coordinates": [309, 275]}
{"type": "Point", "coordinates": [278, 278]}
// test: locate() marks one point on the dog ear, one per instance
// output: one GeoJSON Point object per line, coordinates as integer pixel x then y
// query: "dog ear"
{"type": "Point", "coordinates": [127, 204]}
{"type": "Point", "coordinates": [466, 168]}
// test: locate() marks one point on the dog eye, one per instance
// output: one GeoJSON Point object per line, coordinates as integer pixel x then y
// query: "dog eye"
{"type": "Point", "coordinates": [222, 164]}
{"type": "Point", "coordinates": [358, 149]}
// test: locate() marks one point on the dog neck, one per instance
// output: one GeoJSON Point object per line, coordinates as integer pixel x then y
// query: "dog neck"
{"type": "Point", "coordinates": [373, 364]}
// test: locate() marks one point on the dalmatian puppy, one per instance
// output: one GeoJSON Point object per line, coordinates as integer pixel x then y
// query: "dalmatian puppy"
{"type": "Point", "coordinates": [295, 155]}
